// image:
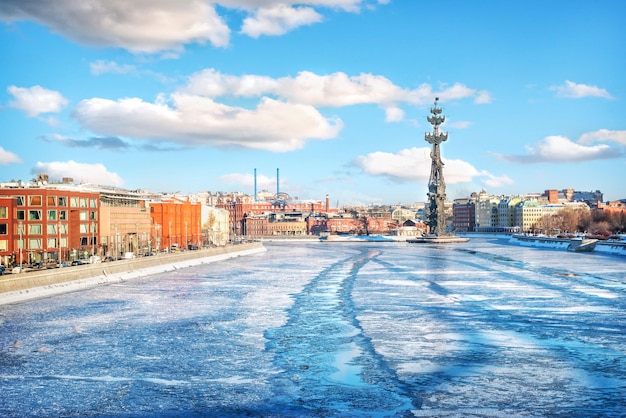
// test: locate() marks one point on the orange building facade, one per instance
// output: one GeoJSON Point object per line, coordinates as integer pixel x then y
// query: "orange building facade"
{"type": "Point", "coordinates": [176, 224]}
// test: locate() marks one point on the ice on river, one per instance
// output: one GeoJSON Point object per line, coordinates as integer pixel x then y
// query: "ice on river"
{"type": "Point", "coordinates": [481, 328]}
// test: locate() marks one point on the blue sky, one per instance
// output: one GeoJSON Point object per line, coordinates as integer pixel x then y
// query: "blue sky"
{"type": "Point", "coordinates": [191, 96]}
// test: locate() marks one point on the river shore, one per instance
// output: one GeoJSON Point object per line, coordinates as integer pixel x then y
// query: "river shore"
{"type": "Point", "coordinates": [15, 288]}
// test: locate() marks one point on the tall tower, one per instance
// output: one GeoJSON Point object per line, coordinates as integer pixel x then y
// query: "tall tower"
{"type": "Point", "coordinates": [436, 217]}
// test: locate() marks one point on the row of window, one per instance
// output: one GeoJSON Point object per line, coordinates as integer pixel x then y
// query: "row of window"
{"type": "Point", "coordinates": [62, 201]}
{"type": "Point", "coordinates": [51, 229]}
{"type": "Point", "coordinates": [52, 215]}
{"type": "Point", "coordinates": [37, 243]}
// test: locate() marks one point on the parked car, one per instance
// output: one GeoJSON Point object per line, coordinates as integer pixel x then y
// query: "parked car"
{"type": "Point", "coordinates": [63, 264]}
{"type": "Point", "coordinates": [78, 262]}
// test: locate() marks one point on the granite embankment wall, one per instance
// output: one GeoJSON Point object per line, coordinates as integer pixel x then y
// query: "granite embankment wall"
{"type": "Point", "coordinates": [36, 284]}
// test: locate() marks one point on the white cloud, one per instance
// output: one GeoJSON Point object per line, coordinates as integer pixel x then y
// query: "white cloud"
{"type": "Point", "coordinates": [497, 181]}
{"type": "Point", "coordinates": [278, 20]}
{"type": "Point", "coordinates": [333, 90]}
{"type": "Point", "coordinates": [155, 26]}
{"type": "Point", "coordinates": [394, 114]}
{"type": "Point", "coordinates": [576, 91]}
{"type": "Point", "coordinates": [36, 100]}
{"type": "Point", "coordinates": [193, 120]}
{"type": "Point", "coordinates": [247, 180]}
{"type": "Point", "coordinates": [413, 165]}
{"type": "Point", "coordinates": [87, 173]}
{"type": "Point", "coordinates": [561, 149]}
{"type": "Point", "coordinates": [284, 119]}
{"type": "Point", "coordinates": [102, 67]}
{"type": "Point", "coordinates": [482, 97]}
{"type": "Point", "coordinates": [7, 157]}
{"type": "Point", "coordinates": [141, 26]}
{"type": "Point", "coordinates": [346, 5]}
{"type": "Point", "coordinates": [603, 135]}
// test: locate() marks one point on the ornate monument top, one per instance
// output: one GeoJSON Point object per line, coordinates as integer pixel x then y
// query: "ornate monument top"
{"type": "Point", "coordinates": [437, 119]}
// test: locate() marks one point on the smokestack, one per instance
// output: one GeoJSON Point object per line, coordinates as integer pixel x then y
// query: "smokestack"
{"type": "Point", "coordinates": [277, 184]}
{"type": "Point", "coordinates": [327, 203]}
{"type": "Point", "coordinates": [255, 184]}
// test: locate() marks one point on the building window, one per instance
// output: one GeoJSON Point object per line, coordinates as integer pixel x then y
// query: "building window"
{"type": "Point", "coordinates": [21, 215]}
{"type": "Point", "coordinates": [34, 215]}
{"type": "Point", "coordinates": [52, 200]}
{"type": "Point", "coordinates": [83, 202]}
{"type": "Point", "coordinates": [93, 203]}
{"type": "Point", "coordinates": [4, 245]}
{"type": "Point", "coordinates": [52, 229]}
{"type": "Point", "coordinates": [34, 200]}
{"type": "Point", "coordinates": [34, 229]}
{"type": "Point", "coordinates": [83, 241]}
{"type": "Point", "coordinates": [4, 229]}
{"type": "Point", "coordinates": [63, 201]}
{"type": "Point", "coordinates": [52, 243]}
{"type": "Point", "coordinates": [93, 216]}
{"type": "Point", "coordinates": [63, 228]}
{"type": "Point", "coordinates": [34, 244]}
{"type": "Point", "coordinates": [84, 215]}
{"type": "Point", "coordinates": [52, 215]}
{"type": "Point", "coordinates": [83, 229]}
{"type": "Point", "coordinates": [73, 202]}
{"type": "Point", "coordinates": [63, 215]}
{"type": "Point", "coordinates": [4, 212]}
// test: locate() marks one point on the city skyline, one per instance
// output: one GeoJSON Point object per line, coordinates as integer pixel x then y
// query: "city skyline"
{"type": "Point", "coordinates": [195, 97]}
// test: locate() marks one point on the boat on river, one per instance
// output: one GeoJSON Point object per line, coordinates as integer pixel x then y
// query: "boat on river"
{"type": "Point", "coordinates": [582, 245]}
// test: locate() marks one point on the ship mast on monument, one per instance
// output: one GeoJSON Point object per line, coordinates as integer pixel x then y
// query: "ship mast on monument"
{"type": "Point", "coordinates": [436, 206]}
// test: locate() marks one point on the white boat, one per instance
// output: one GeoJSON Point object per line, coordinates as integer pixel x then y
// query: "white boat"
{"type": "Point", "coordinates": [582, 245]}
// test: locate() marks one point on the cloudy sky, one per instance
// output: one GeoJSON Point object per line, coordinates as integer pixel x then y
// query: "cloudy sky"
{"type": "Point", "coordinates": [193, 95]}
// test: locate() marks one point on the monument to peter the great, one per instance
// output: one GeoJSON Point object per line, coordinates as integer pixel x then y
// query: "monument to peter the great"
{"type": "Point", "coordinates": [436, 219]}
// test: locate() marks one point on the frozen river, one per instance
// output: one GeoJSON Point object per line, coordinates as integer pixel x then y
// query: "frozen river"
{"type": "Point", "coordinates": [331, 330]}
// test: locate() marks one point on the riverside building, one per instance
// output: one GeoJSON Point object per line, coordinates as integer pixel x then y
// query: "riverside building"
{"type": "Point", "coordinates": [44, 222]}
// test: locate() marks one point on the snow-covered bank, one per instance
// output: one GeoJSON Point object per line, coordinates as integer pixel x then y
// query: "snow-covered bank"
{"type": "Point", "coordinates": [88, 280]}
{"type": "Point", "coordinates": [606, 247]}
{"type": "Point", "coordinates": [611, 247]}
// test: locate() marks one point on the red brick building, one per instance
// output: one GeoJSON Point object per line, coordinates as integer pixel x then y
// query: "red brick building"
{"type": "Point", "coordinates": [43, 224]}
{"type": "Point", "coordinates": [241, 207]}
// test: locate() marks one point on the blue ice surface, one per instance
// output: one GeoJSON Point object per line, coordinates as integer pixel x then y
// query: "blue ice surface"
{"type": "Point", "coordinates": [481, 328]}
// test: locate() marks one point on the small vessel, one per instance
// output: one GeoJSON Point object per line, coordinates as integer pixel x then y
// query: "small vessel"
{"type": "Point", "coordinates": [582, 245]}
